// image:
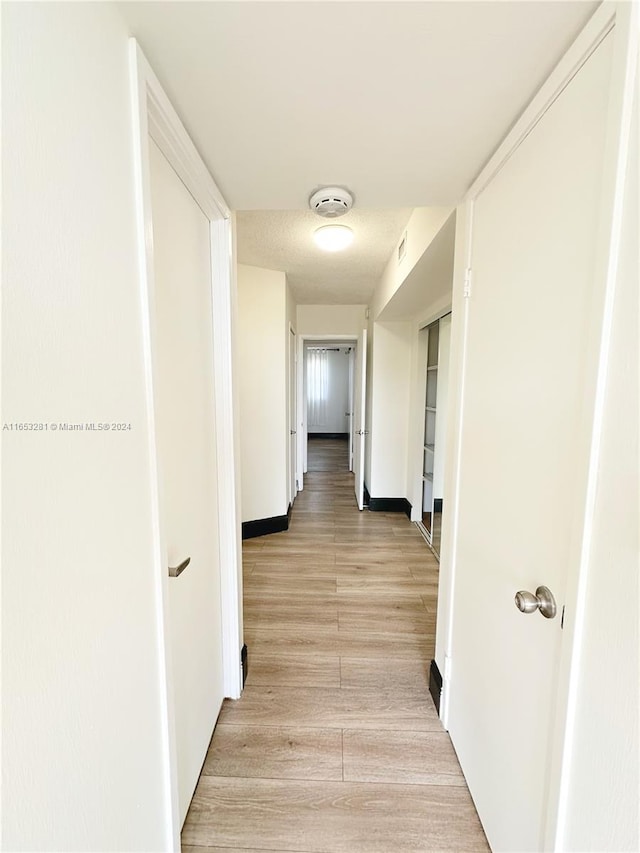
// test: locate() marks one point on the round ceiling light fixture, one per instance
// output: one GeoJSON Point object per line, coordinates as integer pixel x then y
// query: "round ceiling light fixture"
{"type": "Point", "coordinates": [333, 238]}
{"type": "Point", "coordinates": [331, 202]}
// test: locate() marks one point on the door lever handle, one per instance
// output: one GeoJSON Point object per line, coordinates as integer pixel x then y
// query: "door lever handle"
{"type": "Point", "coordinates": [176, 571]}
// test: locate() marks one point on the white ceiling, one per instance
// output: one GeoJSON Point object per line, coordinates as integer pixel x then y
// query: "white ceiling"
{"type": "Point", "coordinates": [401, 102]}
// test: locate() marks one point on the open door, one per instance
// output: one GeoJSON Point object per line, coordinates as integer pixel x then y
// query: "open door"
{"type": "Point", "coordinates": [352, 370]}
{"type": "Point", "coordinates": [522, 439]}
{"type": "Point", "coordinates": [359, 412]}
{"type": "Point", "coordinates": [185, 244]}
{"type": "Point", "coordinates": [185, 418]}
{"type": "Point", "coordinates": [293, 408]}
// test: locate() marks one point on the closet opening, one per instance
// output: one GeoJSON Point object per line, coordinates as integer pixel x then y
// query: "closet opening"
{"type": "Point", "coordinates": [435, 346]}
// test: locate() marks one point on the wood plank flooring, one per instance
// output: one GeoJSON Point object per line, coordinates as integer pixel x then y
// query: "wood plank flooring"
{"type": "Point", "coordinates": [335, 745]}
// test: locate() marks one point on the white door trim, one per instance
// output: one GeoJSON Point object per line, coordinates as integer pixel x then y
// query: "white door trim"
{"type": "Point", "coordinates": [292, 416]}
{"type": "Point", "coordinates": [624, 17]}
{"type": "Point", "coordinates": [360, 419]}
{"type": "Point", "coordinates": [301, 406]}
{"type": "Point", "coordinates": [596, 29]}
{"type": "Point", "coordinates": [153, 116]}
{"type": "Point", "coordinates": [302, 396]}
{"type": "Point", "coordinates": [418, 398]}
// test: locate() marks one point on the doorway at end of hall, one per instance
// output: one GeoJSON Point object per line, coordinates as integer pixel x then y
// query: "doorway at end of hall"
{"type": "Point", "coordinates": [328, 397]}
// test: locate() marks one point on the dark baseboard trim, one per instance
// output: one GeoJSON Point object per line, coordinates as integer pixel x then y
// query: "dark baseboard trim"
{"type": "Point", "coordinates": [244, 661]}
{"type": "Point", "coordinates": [263, 526]}
{"type": "Point", "coordinates": [437, 505]}
{"type": "Point", "coordinates": [342, 435]}
{"type": "Point", "coordinates": [435, 684]}
{"type": "Point", "coordinates": [390, 505]}
{"type": "Point", "coordinates": [366, 497]}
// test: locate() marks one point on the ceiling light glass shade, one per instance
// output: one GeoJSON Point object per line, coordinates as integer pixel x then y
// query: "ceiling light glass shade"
{"type": "Point", "coordinates": [333, 238]}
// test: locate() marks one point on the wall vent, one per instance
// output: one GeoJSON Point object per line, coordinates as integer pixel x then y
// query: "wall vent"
{"type": "Point", "coordinates": [402, 248]}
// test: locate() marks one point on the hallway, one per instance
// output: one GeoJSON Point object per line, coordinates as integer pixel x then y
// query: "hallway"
{"type": "Point", "coordinates": [335, 744]}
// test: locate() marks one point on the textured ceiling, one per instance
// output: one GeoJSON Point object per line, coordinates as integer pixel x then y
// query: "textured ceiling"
{"type": "Point", "coordinates": [282, 240]}
{"type": "Point", "coordinates": [402, 102]}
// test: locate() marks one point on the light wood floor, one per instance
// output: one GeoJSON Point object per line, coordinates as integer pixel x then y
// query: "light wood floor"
{"type": "Point", "coordinates": [335, 745]}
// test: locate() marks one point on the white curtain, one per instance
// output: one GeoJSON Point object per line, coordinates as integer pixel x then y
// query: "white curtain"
{"type": "Point", "coordinates": [317, 386]}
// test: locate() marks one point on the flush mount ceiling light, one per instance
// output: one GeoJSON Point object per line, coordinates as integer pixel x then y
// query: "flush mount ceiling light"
{"type": "Point", "coordinates": [331, 202]}
{"type": "Point", "coordinates": [333, 238]}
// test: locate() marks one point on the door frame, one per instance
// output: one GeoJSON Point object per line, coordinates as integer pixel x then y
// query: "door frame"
{"type": "Point", "coordinates": [352, 391]}
{"type": "Point", "coordinates": [360, 400]}
{"type": "Point", "coordinates": [292, 413]}
{"type": "Point", "coordinates": [418, 399]}
{"type": "Point", "coordinates": [624, 18]}
{"type": "Point", "coordinates": [154, 117]}
{"type": "Point", "coordinates": [302, 396]}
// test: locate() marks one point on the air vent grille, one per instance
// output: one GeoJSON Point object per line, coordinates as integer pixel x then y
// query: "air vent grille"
{"type": "Point", "coordinates": [402, 248]}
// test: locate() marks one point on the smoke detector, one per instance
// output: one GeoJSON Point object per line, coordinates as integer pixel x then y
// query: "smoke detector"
{"type": "Point", "coordinates": [331, 202]}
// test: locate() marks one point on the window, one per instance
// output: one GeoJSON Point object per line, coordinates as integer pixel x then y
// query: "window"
{"type": "Point", "coordinates": [317, 386]}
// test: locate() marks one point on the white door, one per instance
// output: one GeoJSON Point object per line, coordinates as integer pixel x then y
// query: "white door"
{"type": "Point", "coordinates": [521, 491]}
{"type": "Point", "coordinates": [359, 415]}
{"type": "Point", "coordinates": [352, 370]}
{"type": "Point", "coordinates": [293, 417]}
{"type": "Point", "coordinates": [187, 457]}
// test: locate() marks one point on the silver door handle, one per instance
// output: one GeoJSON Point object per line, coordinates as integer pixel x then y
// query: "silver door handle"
{"type": "Point", "coordinates": [292, 432]}
{"type": "Point", "coordinates": [543, 600]}
{"type": "Point", "coordinates": [176, 571]}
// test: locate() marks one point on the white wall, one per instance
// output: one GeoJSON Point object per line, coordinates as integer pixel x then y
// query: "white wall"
{"type": "Point", "coordinates": [604, 777]}
{"type": "Point", "coordinates": [408, 296]}
{"type": "Point", "coordinates": [292, 310]}
{"type": "Point", "coordinates": [263, 356]}
{"type": "Point", "coordinates": [84, 744]}
{"type": "Point", "coordinates": [389, 389]}
{"type": "Point", "coordinates": [423, 226]}
{"type": "Point", "coordinates": [331, 321]}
